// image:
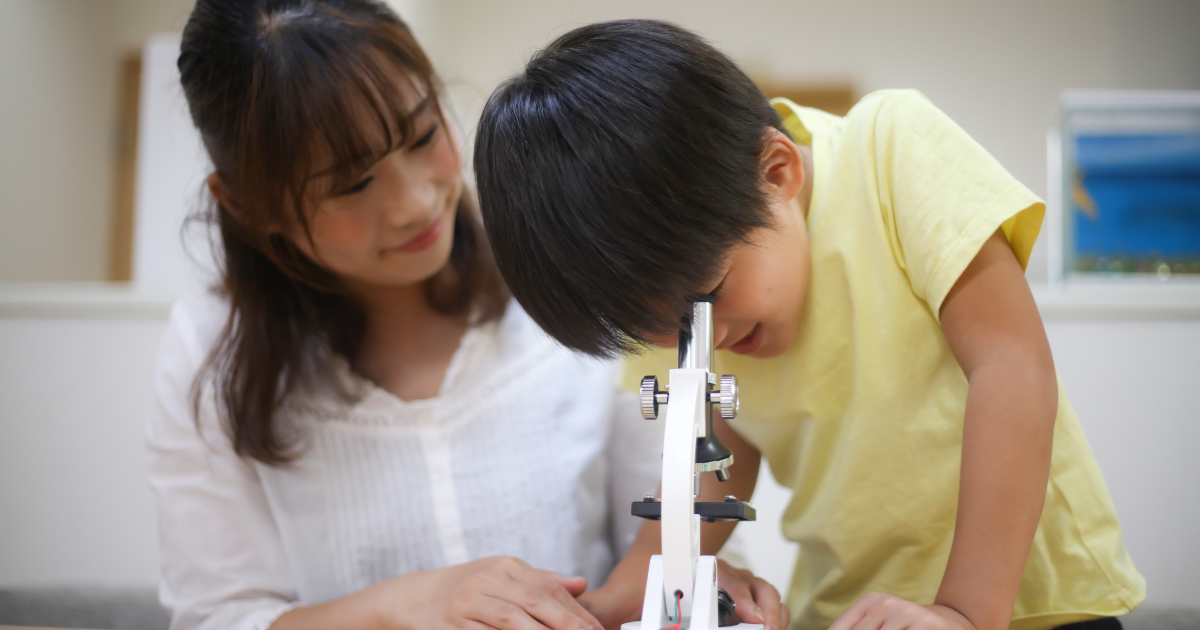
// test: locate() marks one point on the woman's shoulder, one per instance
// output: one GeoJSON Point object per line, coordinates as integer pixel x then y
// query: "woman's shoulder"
{"type": "Point", "coordinates": [515, 344]}
{"type": "Point", "coordinates": [521, 334]}
{"type": "Point", "coordinates": [195, 323]}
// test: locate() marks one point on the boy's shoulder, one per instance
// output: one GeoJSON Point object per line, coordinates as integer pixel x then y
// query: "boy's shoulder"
{"type": "Point", "coordinates": [882, 112]}
{"type": "Point", "coordinates": [869, 105]}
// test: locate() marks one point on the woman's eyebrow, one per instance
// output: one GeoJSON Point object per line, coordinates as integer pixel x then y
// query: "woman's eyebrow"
{"type": "Point", "coordinates": [417, 110]}
{"type": "Point", "coordinates": [419, 107]}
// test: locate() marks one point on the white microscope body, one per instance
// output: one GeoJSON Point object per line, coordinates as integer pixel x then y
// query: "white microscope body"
{"type": "Point", "coordinates": [681, 585]}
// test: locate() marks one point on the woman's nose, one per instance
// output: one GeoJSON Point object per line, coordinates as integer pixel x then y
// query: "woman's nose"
{"type": "Point", "coordinates": [413, 199]}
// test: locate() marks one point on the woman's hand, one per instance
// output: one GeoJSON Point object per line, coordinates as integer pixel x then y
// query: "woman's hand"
{"type": "Point", "coordinates": [498, 592]}
{"type": "Point", "coordinates": [754, 599]}
{"type": "Point", "coordinates": [877, 610]}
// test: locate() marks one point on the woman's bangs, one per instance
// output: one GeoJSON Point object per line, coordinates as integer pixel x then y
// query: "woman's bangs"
{"type": "Point", "coordinates": [372, 99]}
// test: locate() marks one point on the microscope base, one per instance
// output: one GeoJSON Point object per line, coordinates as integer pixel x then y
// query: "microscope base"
{"type": "Point", "coordinates": [637, 625]}
{"type": "Point", "coordinates": [704, 613]}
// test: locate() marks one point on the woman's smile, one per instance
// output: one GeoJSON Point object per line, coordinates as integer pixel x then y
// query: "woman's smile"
{"type": "Point", "coordinates": [425, 239]}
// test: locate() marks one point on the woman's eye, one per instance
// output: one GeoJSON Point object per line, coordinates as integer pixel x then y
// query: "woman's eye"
{"type": "Point", "coordinates": [425, 139]}
{"type": "Point", "coordinates": [357, 188]}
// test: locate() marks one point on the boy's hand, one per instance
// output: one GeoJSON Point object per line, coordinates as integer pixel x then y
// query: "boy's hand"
{"type": "Point", "coordinates": [878, 610]}
{"type": "Point", "coordinates": [754, 599]}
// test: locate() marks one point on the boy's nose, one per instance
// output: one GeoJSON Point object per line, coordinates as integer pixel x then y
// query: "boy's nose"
{"type": "Point", "coordinates": [720, 331]}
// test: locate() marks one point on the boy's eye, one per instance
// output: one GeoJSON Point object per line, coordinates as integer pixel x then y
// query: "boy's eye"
{"type": "Point", "coordinates": [357, 188]}
{"type": "Point", "coordinates": [716, 292]}
{"type": "Point", "coordinates": [425, 139]}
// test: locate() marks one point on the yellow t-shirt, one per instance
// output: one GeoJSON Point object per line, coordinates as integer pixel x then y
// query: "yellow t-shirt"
{"type": "Point", "coordinates": [862, 418]}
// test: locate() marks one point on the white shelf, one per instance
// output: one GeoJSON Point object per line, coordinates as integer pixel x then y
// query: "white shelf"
{"type": "Point", "coordinates": [83, 300]}
{"type": "Point", "coordinates": [1118, 299]}
{"type": "Point", "coordinates": [1086, 301]}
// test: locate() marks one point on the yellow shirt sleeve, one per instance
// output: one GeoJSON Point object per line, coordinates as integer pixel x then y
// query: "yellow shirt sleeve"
{"type": "Point", "coordinates": [943, 195]}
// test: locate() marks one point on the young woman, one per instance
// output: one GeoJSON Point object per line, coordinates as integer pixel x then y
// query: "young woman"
{"type": "Point", "coordinates": [357, 429]}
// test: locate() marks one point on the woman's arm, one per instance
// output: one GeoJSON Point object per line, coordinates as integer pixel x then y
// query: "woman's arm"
{"type": "Point", "coordinates": [994, 331]}
{"type": "Point", "coordinates": [222, 563]}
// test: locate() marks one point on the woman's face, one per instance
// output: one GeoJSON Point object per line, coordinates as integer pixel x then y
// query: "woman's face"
{"type": "Point", "coordinates": [394, 226]}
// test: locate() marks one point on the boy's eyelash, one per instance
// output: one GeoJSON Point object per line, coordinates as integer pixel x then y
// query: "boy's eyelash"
{"type": "Point", "coordinates": [716, 292]}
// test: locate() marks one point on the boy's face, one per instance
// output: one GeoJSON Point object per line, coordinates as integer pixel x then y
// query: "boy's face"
{"type": "Point", "coordinates": [761, 291]}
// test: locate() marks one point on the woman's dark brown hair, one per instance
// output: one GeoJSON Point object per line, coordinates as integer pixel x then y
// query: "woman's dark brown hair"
{"type": "Point", "coordinates": [277, 88]}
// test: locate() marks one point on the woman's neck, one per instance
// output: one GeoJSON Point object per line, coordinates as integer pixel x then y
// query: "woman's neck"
{"type": "Point", "coordinates": [408, 344]}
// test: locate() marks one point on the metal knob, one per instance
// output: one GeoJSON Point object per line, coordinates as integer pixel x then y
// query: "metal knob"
{"type": "Point", "coordinates": [728, 398]}
{"type": "Point", "coordinates": [650, 397]}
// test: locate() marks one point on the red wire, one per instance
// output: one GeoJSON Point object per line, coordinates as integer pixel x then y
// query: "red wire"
{"type": "Point", "coordinates": [678, 617]}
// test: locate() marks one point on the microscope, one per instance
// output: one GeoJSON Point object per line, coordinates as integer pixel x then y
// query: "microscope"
{"type": "Point", "coordinates": [681, 584]}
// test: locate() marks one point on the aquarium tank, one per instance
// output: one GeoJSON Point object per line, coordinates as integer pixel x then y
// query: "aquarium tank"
{"type": "Point", "coordinates": [1129, 184]}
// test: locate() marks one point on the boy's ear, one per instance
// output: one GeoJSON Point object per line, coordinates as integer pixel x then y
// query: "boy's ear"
{"type": "Point", "coordinates": [782, 164]}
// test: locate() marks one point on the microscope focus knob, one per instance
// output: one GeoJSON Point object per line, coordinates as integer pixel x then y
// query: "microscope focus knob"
{"type": "Point", "coordinates": [650, 397]}
{"type": "Point", "coordinates": [728, 397]}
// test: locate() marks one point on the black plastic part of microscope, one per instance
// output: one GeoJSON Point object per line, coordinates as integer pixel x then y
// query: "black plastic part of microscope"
{"type": "Point", "coordinates": [726, 610]}
{"type": "Point", "coordinates": [711, 511]}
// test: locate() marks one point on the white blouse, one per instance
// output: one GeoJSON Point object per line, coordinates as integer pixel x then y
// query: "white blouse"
{"type": "Point", "coordinates": [528, 450]}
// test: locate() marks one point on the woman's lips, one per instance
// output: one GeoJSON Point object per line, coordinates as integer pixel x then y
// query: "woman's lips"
{"type": "Point", "coordinates": [750, 343]}
{"type": "Point", "coordinates": [425, 239]}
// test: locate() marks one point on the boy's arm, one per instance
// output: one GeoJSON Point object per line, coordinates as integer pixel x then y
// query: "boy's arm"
{"type": "Point", "coordinates": [620, 599]}
{"type": "Point", "coordinates": [993, 328]}
{"type": "Point", "coordinates": [995, 332]}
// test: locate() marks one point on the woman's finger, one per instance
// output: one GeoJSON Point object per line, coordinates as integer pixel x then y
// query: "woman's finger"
{"type": "Point", "coordinates": [504, 615]}
{"type": "Point", "coordinates": [576, 586]}
{"type": "Point", "coordinates": [541, 606]}
{"type": "Point", "coordinates": [540, 593]}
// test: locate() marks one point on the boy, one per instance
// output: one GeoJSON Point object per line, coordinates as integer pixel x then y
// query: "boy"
{"type": "Point", "coordinates": [870, 291]}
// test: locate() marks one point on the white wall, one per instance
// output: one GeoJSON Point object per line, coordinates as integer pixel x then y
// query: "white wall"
{"type": "Point", "coordinates": [1134, 387]}
{"type": "Point", "coordinates": [75, 394]}
{"type": "Point", "coordinates": [75, 506]}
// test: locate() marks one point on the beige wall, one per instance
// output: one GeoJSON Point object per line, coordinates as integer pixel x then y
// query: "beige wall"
{"type": "Point", "coordinates": [58, 115]}
{"type": "Point", "coordinates": [995, 67]}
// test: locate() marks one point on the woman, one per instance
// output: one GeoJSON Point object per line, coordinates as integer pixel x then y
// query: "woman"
{"type": "Point", "coordinates": [358, 430]}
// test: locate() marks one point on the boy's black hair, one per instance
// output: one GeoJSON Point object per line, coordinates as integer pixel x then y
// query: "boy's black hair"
{"type": "Point", "coordinates": [615, 173]}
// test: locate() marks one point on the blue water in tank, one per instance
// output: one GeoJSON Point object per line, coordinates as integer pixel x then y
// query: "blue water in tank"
{"type": "Point", "coordinates": [1137, 197]}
